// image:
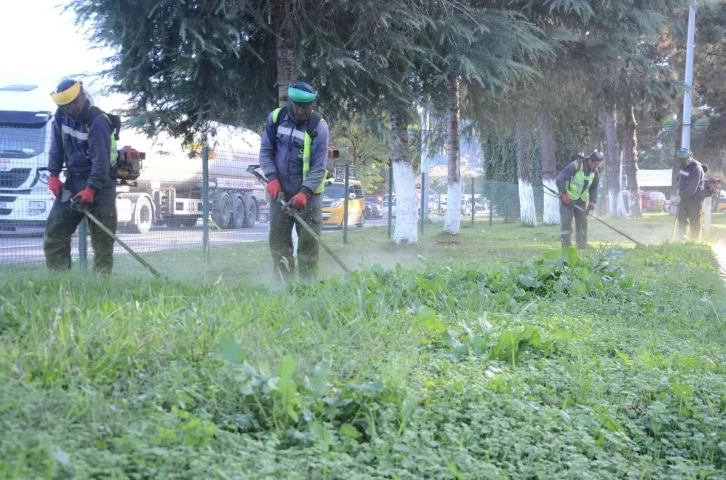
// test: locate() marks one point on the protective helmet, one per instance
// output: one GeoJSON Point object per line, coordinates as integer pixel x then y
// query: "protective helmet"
{"type": "Point", "coordinates": [595, 156]}
{"type": "Point", "coordinates": [301, 92]}
{"type": "Point", "coordinates": [684, 153]}
{"type": "Point", "coordinates": [66, 91]}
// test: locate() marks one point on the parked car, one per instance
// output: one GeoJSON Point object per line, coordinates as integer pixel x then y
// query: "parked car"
{"type": "Point", "coordinates": [393, 206]}
{"type": "Point", "coordinates": [334, 197]}
{"type": "Point", "coordinates": [375, 199]}
{"type": "Point", "coordinates": [721, 206]}
{"type": "Point", "coordinates": [652, 201]}
{"type": "Point", "coordinates": [373, 210]}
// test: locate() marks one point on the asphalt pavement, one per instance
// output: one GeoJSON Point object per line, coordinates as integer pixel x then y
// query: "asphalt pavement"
{"type": "Point", "coordinates": [27, 248]}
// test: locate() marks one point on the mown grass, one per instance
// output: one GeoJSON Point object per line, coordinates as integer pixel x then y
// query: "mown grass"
{"type": "Point", "coordinates": [250, 262]}
{"type": "Point", "coordinates": [609, 365]}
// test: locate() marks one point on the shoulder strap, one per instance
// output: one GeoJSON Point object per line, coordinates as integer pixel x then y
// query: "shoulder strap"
{"type": "Point", "coordinates": [315, 119]}
{"type": "Point", "coordinates": [113, 120]}
{"type": "Point", "coordinates": [312, 125]}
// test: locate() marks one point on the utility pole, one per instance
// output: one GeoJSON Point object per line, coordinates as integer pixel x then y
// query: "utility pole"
{"type": "Point", "coordinates": [424, 165]}
{"type": "Point", "coordinates": [686, 132]}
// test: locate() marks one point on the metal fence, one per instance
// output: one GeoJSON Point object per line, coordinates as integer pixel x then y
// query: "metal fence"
{"type": "Point", "coordinates": [177, 205]}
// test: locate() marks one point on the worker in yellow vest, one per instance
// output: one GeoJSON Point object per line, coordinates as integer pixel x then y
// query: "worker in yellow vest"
{"type": "Point", "coordinates": [293, 157]}
{"type": "Point", "coordinates": [577, 184]}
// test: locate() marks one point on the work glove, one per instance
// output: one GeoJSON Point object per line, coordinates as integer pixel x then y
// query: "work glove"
{"type": "Point", "coordinates": [86, 196]}
{"type": "Point", "coordinates": [274, 188]}
{"type": "Point", "coordinates": [676, 200]}
{"type": "Point", "coordinates": [300, 201]}
{"type": "Point", "coordinates": [565, 198]}
{"type": "Point", "coordinates": [591, 206]}
{"type": "Point", "coordinates": [55, 185]}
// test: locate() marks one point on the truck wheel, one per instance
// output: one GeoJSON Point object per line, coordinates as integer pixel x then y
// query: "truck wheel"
{"type": "Point", "coordinates": [142, 217]}
{"type": "Point", "coordinates": [238, 212]}
{"type": "Point", "coordinates": [223, 215]}
{"type": "Point", "coordinates": [251, 214]}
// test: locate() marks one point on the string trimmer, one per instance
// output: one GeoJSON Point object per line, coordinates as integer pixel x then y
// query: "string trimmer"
{"type": "Point", "coordinates": [557, 195]}
{"type": "Point", "coordinates": [292, 212]}
{"type": "Point", "coordinates": [76, 205]}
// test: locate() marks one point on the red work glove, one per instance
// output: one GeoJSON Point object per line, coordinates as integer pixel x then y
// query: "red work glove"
{"type": "Point", "coordinates": [86, 195]}
{"type": "Point", "coordinates": [565, 198]}
{"type": "Point", "coordinates": [274, 188]}
{"type": "Point", "coordinates": [55, 186]}
{"type": "Point", "coordinates": [591, 206]}
{"type": "Point", "coordinates": [300, 201]}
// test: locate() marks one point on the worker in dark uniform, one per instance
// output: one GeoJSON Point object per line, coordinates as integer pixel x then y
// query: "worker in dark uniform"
{"type": "Point", "coordinates": [577, 184]}
{"type": "Point", "coordinates": [293, 157]}
{"type": "Point", "coordinates": [690, 196]}
{"type": "Point", "coordinates": [82, 140]}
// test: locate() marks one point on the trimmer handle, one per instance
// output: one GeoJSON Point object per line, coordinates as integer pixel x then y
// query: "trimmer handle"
{"type": "Point", "coordinates": [254, 170]}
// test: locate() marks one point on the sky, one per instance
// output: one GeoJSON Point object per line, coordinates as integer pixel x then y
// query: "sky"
{"type": "Point", "coordinates": [40, 42]}
{"type": "Point", "coordinates": [40, 45]}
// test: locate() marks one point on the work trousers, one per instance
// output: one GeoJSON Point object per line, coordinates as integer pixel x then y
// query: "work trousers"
{"type": "Point", "coordinates": [567, 213]}
{"type": "Point", "coordinates": [690, 214]}
{"type": "Point", "coordinates": [281, 225]}
{"type": "Point", "coordinates": [63, 221]}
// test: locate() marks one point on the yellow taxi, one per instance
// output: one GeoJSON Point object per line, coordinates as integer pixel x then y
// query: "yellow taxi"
{"type": "Point", "coordinates": [333, 198]}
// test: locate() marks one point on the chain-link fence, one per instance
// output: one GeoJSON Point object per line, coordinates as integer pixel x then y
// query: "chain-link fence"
{"type": "Point", "coordinates": [173, 203]}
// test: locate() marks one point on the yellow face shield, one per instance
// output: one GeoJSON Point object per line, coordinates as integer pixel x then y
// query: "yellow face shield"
{"type": "Point", "coordinates": [66, 96]}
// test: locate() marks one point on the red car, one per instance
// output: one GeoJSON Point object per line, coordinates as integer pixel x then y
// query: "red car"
{"type": "Point", "coordinates": [653, 201]}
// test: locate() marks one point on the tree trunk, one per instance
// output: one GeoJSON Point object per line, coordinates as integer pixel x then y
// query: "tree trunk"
{"type": "Point", "coordinates": [404, 179]}
{"type": "Point", "coordinates": [453, 202]}
{"type": "Point", "coordinates": [527, 212]}
{"type": "Point", "coordinates": [285, 47]}
{"type": "Point", "coordinates": [630, 149]}
{"type": "Point", "coordinates": [616, 207]}
{"type": "Point", "coordinates": [551, 211]}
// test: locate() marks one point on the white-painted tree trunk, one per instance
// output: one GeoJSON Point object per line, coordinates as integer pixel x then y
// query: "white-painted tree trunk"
{"type": "Point", "coordinates": [452, 224]}
{"type": "Point", "coordinates": [616, 205]}
{"type": "Point", "coordinates": [406, 204]}
{"type": "Point", "coordinates": [404, 181]}
{"type": "Point", "coordinates": [527, 212]}
{"type": "Point", "coordinates": [551, 211]}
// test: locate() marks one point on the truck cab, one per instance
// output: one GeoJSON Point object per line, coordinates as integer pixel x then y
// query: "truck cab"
{"type": "Point", "coordinates": [26, 113]}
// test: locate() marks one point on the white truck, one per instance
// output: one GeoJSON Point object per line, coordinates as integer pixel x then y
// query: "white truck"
{"type": "Point", "coordinates": [160, 188]}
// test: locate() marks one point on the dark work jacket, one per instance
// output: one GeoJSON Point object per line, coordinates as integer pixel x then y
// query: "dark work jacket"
{"type": "Point", "coordinates": [84, 146]}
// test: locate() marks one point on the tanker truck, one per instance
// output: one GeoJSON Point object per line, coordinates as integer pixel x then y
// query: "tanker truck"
{"type": "Point", "coordinates": [159, 187]}
{"type": "Point", "coordinates": [167, 190]}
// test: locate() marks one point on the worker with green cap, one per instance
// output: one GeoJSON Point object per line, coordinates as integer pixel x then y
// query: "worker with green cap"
{"type": "Point", "coordinates": [293, 157]}
{"type": "Point", "coordinates": [690, 196]}
{"type": "Point", "coordinates": [577, 184]}
{"type": "Point", "coordinates": [84, 141]}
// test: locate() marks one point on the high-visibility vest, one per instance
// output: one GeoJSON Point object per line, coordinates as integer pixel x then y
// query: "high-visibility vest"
{"type": "Point", "coordinates": [307, 143]}
{"type": "Point", "coordinates": [577, 189]}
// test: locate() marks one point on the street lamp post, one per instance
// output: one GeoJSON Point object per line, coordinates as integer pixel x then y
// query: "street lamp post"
{"type": "Point", "coordinates": [686, 132]}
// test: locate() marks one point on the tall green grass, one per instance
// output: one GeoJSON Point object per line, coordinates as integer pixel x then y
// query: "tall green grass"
{"type": "Point", "coordinates": [609, 365]}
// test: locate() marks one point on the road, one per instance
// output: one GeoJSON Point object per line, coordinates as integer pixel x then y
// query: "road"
{"type": "Point", "coordinates": [29, 248]}
{"type": "Point", "coordinates": [25, 248]}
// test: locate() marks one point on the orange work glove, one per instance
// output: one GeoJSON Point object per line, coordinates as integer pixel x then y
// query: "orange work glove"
{"type": "Point", "coordinates": [565, 198]}
{"type": "Point", "coordinates": [300, 201]}
{"type": "Point", "coordinates": [274, 187]}
{"type": "Point", "coordinates": [55, 186]}
{"type": "Point", "coordinates": [591, 206]}
{"type": "Point", "coordinates": [86, 195]}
